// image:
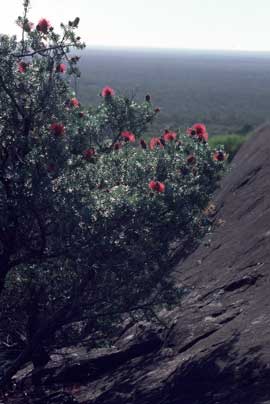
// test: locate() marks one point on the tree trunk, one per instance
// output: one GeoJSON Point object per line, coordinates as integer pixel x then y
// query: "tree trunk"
{"type": "Point", "coordinates": [35, 351]}
{"type": "Point", "coordinates": [48, 327]}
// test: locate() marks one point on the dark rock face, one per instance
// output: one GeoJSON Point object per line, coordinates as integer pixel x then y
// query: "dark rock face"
{"type": "Point", "coordinates": [217, 350]}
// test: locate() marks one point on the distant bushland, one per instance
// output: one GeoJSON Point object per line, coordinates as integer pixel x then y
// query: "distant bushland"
{"type": "Point", "coordinates": [226, 91]}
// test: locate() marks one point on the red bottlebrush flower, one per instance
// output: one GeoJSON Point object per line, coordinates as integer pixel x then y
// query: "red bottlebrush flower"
{"type": "Point", "coordinates": [156, 186]}
{"type": "Point", "coordinates": [169, 136]}
{"type": "Point", "coordinates": [107, 92]}
{"type": "Point", "coordinates": [155, 141]}
{"type": "Point", "coordinates": [74, 102]}
{"type": "Point", "coordinates": [22, 67]}
{"type": "Point", "coordinates": [198, 130]}
{"type": "Point", "coordinates": [43, 25]}
{"type": "Point", "coordinates": [57, 129]}
{"type": "Point", "coordinates": [204, 137]}
{"type": "Point", "coordinates": [157, 110]}
{"type": "Point", "coordinates": [143, 144]}
{"type": "Point", "coordinates": [61, 68]}
{"type": "Point", "coordinates": [128, 136]}
{"type": "Point", "coordinates": [219, 155]}
{"type": "Point", "coordinates": [117, 145]}
{"type": "Point", "coordinates": [89, 153]}
{"type": "Point", "coordinates": [191, 159]}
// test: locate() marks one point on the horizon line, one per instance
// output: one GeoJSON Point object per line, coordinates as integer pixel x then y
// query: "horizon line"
{"type": "Point", "coordinates": [162, 48]}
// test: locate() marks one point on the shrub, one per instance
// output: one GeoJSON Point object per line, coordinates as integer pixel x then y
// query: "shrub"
{"type": "Point", "coordinates": [89, 212]}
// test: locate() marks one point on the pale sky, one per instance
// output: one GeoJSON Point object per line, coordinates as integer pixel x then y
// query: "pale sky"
{"type": "Point", "coordinates": [194, 24]}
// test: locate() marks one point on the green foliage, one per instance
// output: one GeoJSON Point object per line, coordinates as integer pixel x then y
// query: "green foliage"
{"type": "Point", "coordinates": [231, 143]}
{"type": "Point", "coordinates": [88, 217]}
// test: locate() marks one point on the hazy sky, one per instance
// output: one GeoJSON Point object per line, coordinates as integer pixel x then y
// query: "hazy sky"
{"type": "Point", "coordinates": [198, 24]}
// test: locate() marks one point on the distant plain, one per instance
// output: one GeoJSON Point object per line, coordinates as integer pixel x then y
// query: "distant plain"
{"type": "Point", "coordinates": [228, 91]}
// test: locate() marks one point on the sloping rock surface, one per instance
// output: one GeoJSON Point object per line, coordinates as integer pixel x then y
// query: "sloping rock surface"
{"type": "Point", "coordinates": [217, 349]}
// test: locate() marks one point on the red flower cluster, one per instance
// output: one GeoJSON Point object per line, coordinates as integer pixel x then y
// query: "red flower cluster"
{"type": "Point", "coordinates": [154, 142]}
{"type": "Point", "coordinates": [107, 92]}
{"type": "Point", "coordinates": [61, 68]}
{"type": "Point", "coordinates": [74, 102]}
{"type": "Point", "coordinates": [198, 130]}
{"type": "Point", "coordinates": [156, 186]}
{"type": "Point", "coordinates": [219, 155]}
{"type": "Point", "coordinates": [22, 67]}
{"type": "Point", "coordinates": [57, 129]}
{"type": "Point", "coordinates": [43, 25]}
{"type": "Point", "coordinates": [128, 136]}
{"type": "Point", "coordinates": [169, 136]}
{"type": "Point", "coordinates": [89, 153]}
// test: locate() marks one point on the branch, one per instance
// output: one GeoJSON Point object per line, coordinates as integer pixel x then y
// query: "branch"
{"type": "Point", "coordinates": [43, 50]}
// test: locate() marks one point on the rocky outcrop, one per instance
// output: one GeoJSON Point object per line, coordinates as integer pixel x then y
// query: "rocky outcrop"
{"type": "Point", "coordinates": [217, 347]}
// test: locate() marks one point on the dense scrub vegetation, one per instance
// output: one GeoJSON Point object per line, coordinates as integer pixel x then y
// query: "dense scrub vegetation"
{"type": "Point", "coordinates": [90, 211]}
